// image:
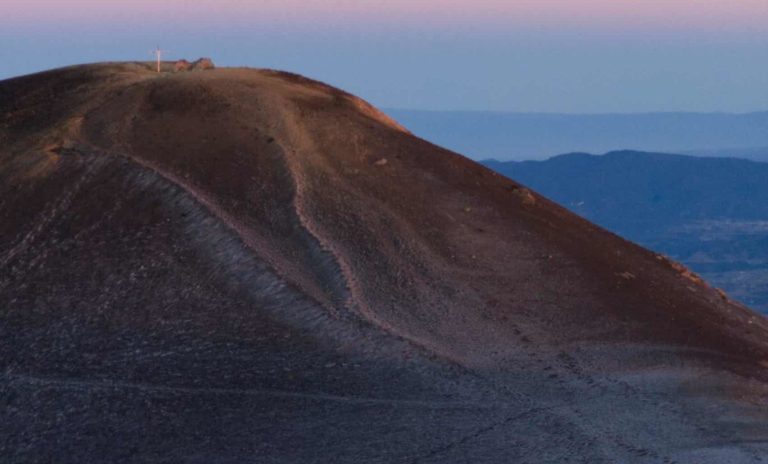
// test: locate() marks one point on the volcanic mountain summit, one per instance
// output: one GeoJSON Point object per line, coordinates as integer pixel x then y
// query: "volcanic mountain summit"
{"type": "Point", "coordinates": [245, 265]}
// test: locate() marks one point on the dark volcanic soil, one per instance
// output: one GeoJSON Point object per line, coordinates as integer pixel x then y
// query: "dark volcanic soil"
{"type": "Point", "coordinates": [248, 266]}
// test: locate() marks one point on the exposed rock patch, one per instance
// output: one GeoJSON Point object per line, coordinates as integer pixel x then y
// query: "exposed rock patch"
{"type": "Point", "coordinates": [181, 65]}
{"type": "Point", "coordinates": [202, 64]}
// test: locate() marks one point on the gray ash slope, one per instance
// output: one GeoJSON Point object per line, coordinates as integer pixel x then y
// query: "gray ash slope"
{"type": "Point", "coordinates": [245, 265]}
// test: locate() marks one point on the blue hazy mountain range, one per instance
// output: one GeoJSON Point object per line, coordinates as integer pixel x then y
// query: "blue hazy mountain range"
{"type": "Point", "coordinates": [523, 136]}
{"type": "Point", "coordinates": [709, 213]}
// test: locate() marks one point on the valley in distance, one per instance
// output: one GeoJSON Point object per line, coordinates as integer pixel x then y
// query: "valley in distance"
{"type": "Point", "coordinates": [246, 265]}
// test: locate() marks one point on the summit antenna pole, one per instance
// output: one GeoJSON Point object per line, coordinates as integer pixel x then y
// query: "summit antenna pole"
{"type": "Point", "coordinates": [158, 56]}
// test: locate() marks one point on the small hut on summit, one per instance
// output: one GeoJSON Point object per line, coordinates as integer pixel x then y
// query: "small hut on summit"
{"type": "Point", "coordinates": [181, 65]}
{"type": "Point", "coordinates": [202, 64]}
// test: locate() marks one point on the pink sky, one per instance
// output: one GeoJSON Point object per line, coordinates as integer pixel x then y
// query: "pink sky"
{"type": "Point", "coordinates": [516, 55]}
{"type": "Point", "coordinates": [714, 15]}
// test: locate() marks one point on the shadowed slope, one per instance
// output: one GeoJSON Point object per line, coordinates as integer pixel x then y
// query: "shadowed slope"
{"type": "Point", "coordinates": [248, 263]}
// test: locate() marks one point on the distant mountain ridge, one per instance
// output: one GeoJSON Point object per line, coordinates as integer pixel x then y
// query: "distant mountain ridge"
{"type": "Point", "coordinates": [521, 136]}
{"type": "Point", "coordinates": [754, 154]}
{"type": "Point", "coordinates": [710, 213]}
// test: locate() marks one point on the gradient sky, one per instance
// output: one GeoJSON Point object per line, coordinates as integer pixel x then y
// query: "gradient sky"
{"type": "Point", "coordinates": [576, 56]}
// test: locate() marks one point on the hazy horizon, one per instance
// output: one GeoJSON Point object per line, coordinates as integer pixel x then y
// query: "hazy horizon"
{"type": "Point", "coordinates": [520, 136]}
{"type": "Point", "coordinates": [558, 56]}
{"type": "Point", "coordinates": [559, 113]}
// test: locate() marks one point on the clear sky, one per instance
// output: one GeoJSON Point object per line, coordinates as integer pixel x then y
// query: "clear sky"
{"type": "Point", "coordinates": [571, 56]}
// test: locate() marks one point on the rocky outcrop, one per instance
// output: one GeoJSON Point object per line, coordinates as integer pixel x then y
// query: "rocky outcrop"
{"type": "Point", "coordinates": [202, 64]}
{"type": "Point", "coordinates": [181, 65]}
